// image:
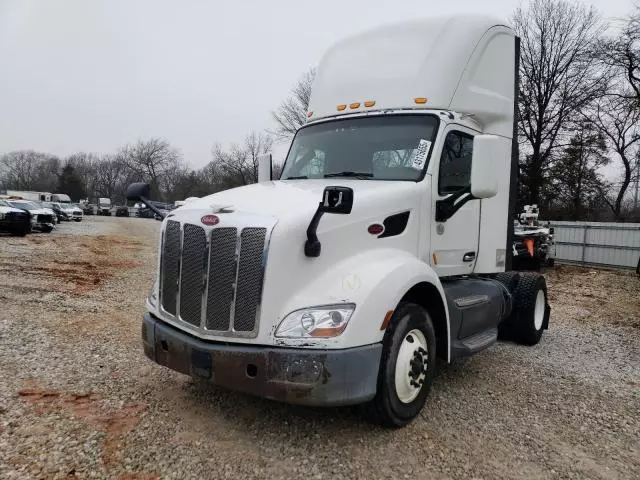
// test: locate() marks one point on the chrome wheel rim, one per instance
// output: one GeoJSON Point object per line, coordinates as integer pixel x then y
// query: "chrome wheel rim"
{"type": "Point", "coordinates": [411, 366]}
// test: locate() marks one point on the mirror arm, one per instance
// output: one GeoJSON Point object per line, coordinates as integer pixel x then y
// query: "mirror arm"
{"type": "Point", "coordinates": [153, 208]}
{"type": "Point", "coordinates": [312, 246]}
{"type": "Point", "coordinates": [445, 209]}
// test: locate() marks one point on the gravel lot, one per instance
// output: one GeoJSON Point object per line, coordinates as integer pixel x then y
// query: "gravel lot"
{"type": "Point", "coordinates": [78, 399]}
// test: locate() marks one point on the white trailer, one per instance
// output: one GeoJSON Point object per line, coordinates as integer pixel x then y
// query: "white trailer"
{"type": "Point", "coordinates": [386, 243]}
{"type": "Point", "coordinates": [30, 195]}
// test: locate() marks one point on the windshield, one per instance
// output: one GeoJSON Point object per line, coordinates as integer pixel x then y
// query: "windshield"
{"type": "Point", "coordinates": [393, 147]}
{"type": "Point", "coordinates": [27, 205]}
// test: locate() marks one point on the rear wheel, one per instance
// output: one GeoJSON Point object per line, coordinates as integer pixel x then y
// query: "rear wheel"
{"type": "Point", "coordinates": [531, 310]}
{"type": "Point", "coordinates": [407, 366]}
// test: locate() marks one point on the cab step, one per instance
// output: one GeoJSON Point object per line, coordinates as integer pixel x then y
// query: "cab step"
{"type": "Point", "coordinates": [475, 343]}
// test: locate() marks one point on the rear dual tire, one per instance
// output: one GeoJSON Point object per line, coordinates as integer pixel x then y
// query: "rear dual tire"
{"type": "Point", "coordinates": [530, 314]}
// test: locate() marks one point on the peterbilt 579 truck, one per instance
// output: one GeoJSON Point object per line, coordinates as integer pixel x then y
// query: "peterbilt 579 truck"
{"type": "Point", "coordinates": [385, 245]}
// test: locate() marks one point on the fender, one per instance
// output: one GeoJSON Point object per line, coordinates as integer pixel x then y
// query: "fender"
{"type": "Point", "coordinates": [375, 281]}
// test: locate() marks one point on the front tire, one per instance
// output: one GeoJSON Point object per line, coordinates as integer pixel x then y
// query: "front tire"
{"type": "Point", "coordinates": [407, 366]}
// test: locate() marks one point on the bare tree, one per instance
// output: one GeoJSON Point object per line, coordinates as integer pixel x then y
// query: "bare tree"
{"type": "Point", "coordinates": [85, 167]}
{"type": "Point", "coordinates": [558, 79]}
{"type": "Point", "coordinates": [575, 176]}
{"type": "Point", "coordinates": [618, 120]}
{"type": "Point", "coordinates": [621, 57]}
{"type": "Point", "coordinates": [111, 176]}
{"type": "Point", "coordinates": [21, 169]}
{"type": "Point", "coordinates": [239, 165]}
{"type": "Point", "coordinates": [292, 112]}
{"type": "Point", "coordinates": [150, 160]}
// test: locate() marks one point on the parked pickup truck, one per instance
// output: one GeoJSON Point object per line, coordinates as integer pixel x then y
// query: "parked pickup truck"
{"type": "Point", "coordinates": [41, 219]}
{"type": "Point", "coordinates": [14, 220]}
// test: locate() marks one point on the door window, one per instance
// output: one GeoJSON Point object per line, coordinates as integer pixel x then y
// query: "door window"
{"type": "Point", "coordinates": [455, 163]}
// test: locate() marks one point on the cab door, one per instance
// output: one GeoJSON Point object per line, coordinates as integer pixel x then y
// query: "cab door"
{"type": "Point", "coordinates": [454, 240]}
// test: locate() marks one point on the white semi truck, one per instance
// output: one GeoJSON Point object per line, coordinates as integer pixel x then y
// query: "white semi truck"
{"type": "Point", "coordinates": [385, 245]}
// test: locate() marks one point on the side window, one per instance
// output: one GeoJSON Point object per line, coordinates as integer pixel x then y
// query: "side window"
{"type": "Point", "coordinates": [455, 163]}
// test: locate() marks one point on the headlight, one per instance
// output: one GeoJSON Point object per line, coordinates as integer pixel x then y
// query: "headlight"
{"type": "Point", "coordinates": [319, 322]}
{"type": "Point", "coordinates": [153, 296]}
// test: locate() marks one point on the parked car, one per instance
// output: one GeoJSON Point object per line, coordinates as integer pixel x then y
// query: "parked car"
{"type": "Point", "coordinates": [14, 220]}
{"type": "Point", "coordinates": [122, 211]}
{"type": "Point", "coordinates": [45, 206]}
{"type": "Point", "coordinates": [73, 211]}
{"type": "Point", "coordinates": [88, 209]}
{"type": "Point", "coordinates": [41, 219]}
{"type": "Point", "coordinates": [57, 209]}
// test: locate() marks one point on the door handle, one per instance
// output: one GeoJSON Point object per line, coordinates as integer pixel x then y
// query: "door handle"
{"type": "Point", "coordinates": [469, 257]}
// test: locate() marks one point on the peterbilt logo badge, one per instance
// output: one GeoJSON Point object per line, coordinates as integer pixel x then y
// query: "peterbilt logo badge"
{"type": "Point", "coordinates": [210, 220]}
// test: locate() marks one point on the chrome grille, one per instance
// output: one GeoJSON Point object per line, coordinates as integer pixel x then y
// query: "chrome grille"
{"type": "Point", "coordinates": [170, 266]}
{"type": "Point", "coordinates": [222, 274]}
{"type": "Point", "coordinates": [212, 280]}
{"type": "Point", "coordinates": [194, 243]}
{"type": "Point", "coordinates": [249, 286]}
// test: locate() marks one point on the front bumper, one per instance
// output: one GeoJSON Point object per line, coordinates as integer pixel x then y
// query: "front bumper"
{"type": "Point", "coordinates": [292, 375]}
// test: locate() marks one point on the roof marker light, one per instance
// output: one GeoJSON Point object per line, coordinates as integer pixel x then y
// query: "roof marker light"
{"type": "Point", "coordinates": [420, 100]}
{"type": "Point", "coordinates": [309, 114]}
{"type": "Point", "coordinates": [354, 105]}
{"type": "Point", "coordinates": [341, 107]}
{"type": "Point", "coordinates": [369, 103]}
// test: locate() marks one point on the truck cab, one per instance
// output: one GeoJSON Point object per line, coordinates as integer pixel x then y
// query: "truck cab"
{"type": "Point", "coordinates": [383, 246]}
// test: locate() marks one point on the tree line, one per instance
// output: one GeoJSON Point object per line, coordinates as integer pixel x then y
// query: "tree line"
{"type": "Point", "coordinates": [578, 118]}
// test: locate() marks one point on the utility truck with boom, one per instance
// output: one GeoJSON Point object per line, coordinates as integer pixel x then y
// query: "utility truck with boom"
{"type": "Point", "coordinates": [385, 245]}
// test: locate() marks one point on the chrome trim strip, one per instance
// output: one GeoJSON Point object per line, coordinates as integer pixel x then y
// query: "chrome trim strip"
{"type": "Point", "coordinates": [205, 282]}
{"type": "Point", "coordinates": [232, 310]}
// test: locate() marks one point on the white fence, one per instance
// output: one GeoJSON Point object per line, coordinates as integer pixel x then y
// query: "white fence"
{"type": "Point", "coordinates": [598, 243]}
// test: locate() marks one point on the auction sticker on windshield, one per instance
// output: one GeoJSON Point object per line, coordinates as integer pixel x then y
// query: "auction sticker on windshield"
{"type": "Point", "coordinates": [419, 156]}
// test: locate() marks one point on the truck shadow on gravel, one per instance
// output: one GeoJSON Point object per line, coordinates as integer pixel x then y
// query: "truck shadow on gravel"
{"type": "Point", "coordinates": [246, 409]}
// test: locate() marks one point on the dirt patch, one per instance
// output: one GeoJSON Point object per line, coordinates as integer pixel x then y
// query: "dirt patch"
{"type": "Point", "coordinates": [86, 406]}
{"type": "Point", "coordinates": [598, 295]}
{"type": "Point", "coordinates": [49, 262]}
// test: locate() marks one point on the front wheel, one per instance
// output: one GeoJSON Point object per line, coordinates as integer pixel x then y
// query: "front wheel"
{"type": "Point", "coordinates": [407, 366]}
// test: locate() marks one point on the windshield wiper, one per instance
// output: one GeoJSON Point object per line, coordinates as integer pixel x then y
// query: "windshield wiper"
{"type": "Point", "coordinates": [349, 174]}
{"type": "Point", "coordinates": [299, 177]}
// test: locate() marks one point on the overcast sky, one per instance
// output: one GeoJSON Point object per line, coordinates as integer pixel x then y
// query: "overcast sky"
{"type": "Point", "coordinates": [89, 75]}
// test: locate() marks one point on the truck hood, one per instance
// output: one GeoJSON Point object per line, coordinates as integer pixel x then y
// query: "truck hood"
{"type": "Point", "coordinates": [299, 198]}
{"type": "Point", "coordinates": [285, 209]}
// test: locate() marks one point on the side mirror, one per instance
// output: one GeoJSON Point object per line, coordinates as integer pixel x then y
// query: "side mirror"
{"type": "Point", "coordinates": [136, 191]}
{"type": "Point", "coordinates": [139, 192]}
{"type": "Point", "coordinates": [264, 168]}
{"type": "Point", "coordinates": [337, 200]}
{"type": "Point", "coordinates": [487, 150]}
{"type": "Point", "coordinates": [334, 200]}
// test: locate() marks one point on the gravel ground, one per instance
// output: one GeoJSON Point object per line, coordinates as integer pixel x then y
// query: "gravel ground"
{"type": "Point", "coordinates": [78, 399]}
